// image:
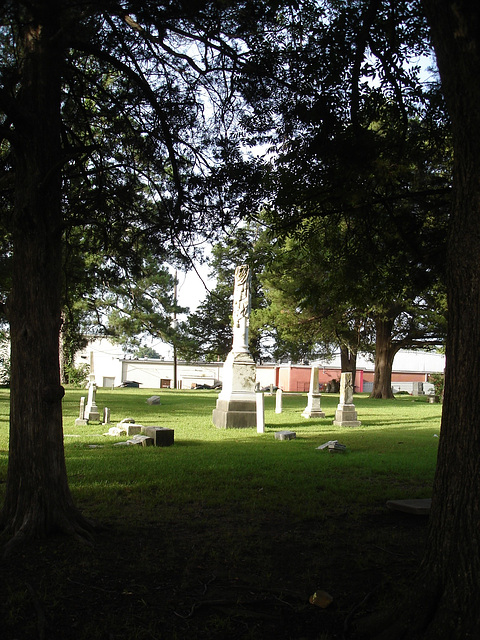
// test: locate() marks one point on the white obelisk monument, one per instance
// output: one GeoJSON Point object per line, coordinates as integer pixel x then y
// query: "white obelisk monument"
{"type": "Point", "coordinates": [91, 410]}
{"type": "Point", "coordinates": [236, 404]}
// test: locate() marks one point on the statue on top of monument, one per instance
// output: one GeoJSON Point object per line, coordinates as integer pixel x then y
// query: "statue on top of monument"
{"type": "Point", "coordinates": [241, 308]}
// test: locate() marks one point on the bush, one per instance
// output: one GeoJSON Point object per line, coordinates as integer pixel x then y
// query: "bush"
{"type": "Point", "coordinates": [77, 376]}
{"type": "Point", "coordinates": [438, 381]}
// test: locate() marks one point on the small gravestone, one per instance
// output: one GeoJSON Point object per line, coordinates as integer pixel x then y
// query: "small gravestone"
{"type": "Point", "coordinates": [125, 429]}
{"type": "Point", "coordinates": [142, 440]}
{"type": "Point", "coordinates": [161, 436]}
{"type": "Point", "coordinates": [153, 400]}
{"type": "Point", "coordinates": [285, 435]}
{"type": "Point", "coordinates": [260, 403]}
{"type": "Point", "coordinates": [116, 431]}
{"type": "Point", "coordinates": [81, 420]}
{"type": "Point", "coordinates": [278, 401]}
{"type": "Point", "coordinates": [132, 428]}
{"type": "Point", "coordinates": [106, 415]}
{"type": "Point", "coordinates": [333, 446]}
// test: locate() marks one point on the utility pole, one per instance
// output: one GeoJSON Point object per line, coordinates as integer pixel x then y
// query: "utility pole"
{"type": "Point", "coordinates": [174, 327]}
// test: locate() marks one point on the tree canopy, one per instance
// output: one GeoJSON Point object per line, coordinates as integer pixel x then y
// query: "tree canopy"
{"type": "Point", "coordinates": [114, 122]}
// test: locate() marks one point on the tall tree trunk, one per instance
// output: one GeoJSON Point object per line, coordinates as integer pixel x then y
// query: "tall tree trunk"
{"type": "Point", "coordinates": [385, 352]}
{"type": "Point", "coordinates": [446, 596]}
{"type": "Point", "coordinates": [348, 361]}
{"type": "Point", "coordinates": [37, 497]}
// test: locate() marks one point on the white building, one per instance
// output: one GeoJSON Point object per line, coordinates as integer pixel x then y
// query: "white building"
{"type": "Point", "coordinates": [112, 368]}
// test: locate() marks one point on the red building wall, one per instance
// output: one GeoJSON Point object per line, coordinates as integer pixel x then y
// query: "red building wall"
{"type": "Point", "coordinates": [297, 377]}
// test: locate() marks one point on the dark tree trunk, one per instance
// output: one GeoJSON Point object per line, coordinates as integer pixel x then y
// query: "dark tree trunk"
{"type": "Point", "coordinates": [447, 595]}
{"type": "Point", "coordinates": [348, 361]}
{"type": "Point", "coordinates": [37, 499]}
{"type": "Point", "coordinates": [385, 352]}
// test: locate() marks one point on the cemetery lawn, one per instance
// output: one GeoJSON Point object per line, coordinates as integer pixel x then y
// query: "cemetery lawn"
{"type": "Point", "coordinates": [227, 533]}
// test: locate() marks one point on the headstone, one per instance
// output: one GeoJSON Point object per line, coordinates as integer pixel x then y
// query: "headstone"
{"type": "Point", "coordinates": [125, 428]}
{"type": "Point", "coordinates": [345, 415]}
{"type": "Point", "coordinates": [236, 404]}
{"type": "Point", "coordinates": [278, 401]}
{"type": "Point", "coordinates": [161, 436]}
{"type": "Point", "coordinates": [332, 444]}
{"type": "Point", "coordinates": [260, 403]}
{"type": "Point", "coordinates": [106, 415]}
{"type": "Point", "coordinates": [116, 431]}
{"type": "Point", "coordinates": [417, 388]}
{"type": "Point", "coordinates": [313, 409]}
{"type": "Point", "coordinates": [285, 435]}
{"type": "Point", "coordinates": [153, 400]}
{"type": "Point", "coordinates": [81, 420]}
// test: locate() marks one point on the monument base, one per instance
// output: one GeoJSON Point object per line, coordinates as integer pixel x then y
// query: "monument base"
{"type": "Point", "coordinates": [313, 409]}
{"type": "Point", "coordinates": [346, 416]}
{"type": "Point", "coordinates": [235, 413]}
{"type": "Point", "coordinates": [237, 405]}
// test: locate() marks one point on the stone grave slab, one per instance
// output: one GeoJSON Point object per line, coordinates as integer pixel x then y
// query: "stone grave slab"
{"type": "Point", "coordinates": [285, 435]}
{"type": "Point", "coordinates": [144, 441]}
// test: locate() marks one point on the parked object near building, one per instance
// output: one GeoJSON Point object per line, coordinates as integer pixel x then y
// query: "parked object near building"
{"type": "Point", "coordinates": [112, 369]}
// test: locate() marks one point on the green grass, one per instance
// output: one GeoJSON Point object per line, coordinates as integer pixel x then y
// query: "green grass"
{"type": "Point", "coordinates": [228, 532]}
{"type": "Point", "coordinates": [392, 455]}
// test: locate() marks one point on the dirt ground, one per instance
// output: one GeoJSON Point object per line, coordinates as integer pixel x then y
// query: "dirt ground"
{"type": "Point", "coordinates": [202, 574]}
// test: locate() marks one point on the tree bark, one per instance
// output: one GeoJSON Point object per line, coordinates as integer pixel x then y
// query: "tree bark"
{"type": "Point", "coordinates": [385, 352]}
{"type": "Point", "coordinates": [446, 596]}
{"type": "Point", "coordinates": [38, 498]}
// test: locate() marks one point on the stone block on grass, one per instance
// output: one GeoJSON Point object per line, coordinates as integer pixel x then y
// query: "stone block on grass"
{"type": "Point", "coordinates": [285, 435]}
{"type": "Point", "coordinates": [144, 441]}
{"type": "Point", "coordinates": [162, 436]}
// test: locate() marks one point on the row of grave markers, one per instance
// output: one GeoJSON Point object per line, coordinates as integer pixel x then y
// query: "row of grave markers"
{"type": "Point", "coordinates": [345, 415]}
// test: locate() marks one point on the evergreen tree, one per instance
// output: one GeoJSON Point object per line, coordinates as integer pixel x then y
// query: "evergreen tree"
{"type": "Point", "coordinates": [111, 122]}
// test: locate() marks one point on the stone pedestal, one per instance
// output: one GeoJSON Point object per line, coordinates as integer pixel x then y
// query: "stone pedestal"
{"type": "Point", "coordinates": [236, 405]}
{"type": "Point", "coordinates": [345, 415]}
{"type": "Point", "coordinates": [313, 409]}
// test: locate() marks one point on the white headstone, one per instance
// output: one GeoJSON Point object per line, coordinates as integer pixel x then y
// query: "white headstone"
{"type": "Point", "coordinates": [278, 401]}
{"type": "Point", "coordinates": [313, 409]}
{"type": "Point", "coordinates": [345, 415]}
{"type": "Point", "coordinates": [260, 402]}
